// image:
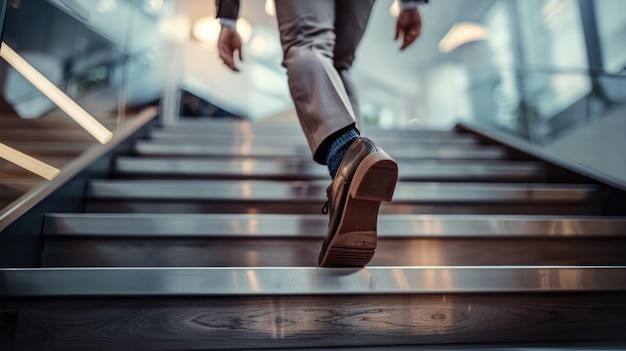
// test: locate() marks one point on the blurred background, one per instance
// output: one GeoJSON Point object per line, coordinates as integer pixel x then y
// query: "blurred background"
{"type": "Point", "coordinates": [532, 67]}
{"type": "Point", "coordinates": [150, 198]}
{"type": "Point", "coordinates": [550, 72]}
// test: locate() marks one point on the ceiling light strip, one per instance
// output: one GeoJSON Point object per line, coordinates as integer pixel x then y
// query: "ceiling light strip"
{"type": "Point", "coordinates": [64, 102]}
{"type": "Point", "coordinates": [462, 33]}
{"type": "Point", "coordinates": [27, 162]}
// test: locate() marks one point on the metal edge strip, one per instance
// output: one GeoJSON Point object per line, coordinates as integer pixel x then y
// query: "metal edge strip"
{"type": "Point", "coordinates": [261, 227]}
{"type": "Point", "coordinates": [112, 282]}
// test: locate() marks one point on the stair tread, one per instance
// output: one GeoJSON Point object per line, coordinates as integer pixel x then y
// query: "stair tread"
{"type": "Point", "coordinates": [298, 191]}
{"type": "Point", "coordinates": [314, 226]}
{"type": "Point", "coordinates": [242, 281]}
{"type": "Point", "coordinates": [258, 168]}
{"type": "Point", "coordinates": [265, 149]}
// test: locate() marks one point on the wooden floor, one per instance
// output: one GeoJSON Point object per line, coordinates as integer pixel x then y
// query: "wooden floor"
{"type": "Point", "coordinates": [309, 321]}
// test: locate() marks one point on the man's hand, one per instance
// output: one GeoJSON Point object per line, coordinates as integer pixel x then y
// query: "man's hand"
{"type": "Point", "coordinates": [409, 26]}
{"type": "Point", "coordinates": [228, 43]}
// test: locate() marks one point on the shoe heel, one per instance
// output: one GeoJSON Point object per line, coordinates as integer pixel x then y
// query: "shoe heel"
{"type": "Point", "coordinates": [375, 179]}
{"type": "Point", "coordinates": [355, 241]}
{"type": "Point", "coordinates": [346, 257]}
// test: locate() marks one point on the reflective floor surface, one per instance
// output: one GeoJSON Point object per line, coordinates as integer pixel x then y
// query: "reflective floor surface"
{"type": "Point", "coordinates": [206, 236]}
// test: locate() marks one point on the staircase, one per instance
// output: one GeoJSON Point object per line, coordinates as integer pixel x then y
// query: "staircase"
{"type": "Point", "coordinates": [206, 236]}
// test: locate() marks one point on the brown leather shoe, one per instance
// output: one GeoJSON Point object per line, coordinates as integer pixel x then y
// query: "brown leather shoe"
{"type": "Point", "coordinates": [366, 176]}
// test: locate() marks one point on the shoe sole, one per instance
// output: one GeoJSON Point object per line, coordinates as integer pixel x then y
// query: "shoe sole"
{"type": "Point", "coordinates": [354, 242]}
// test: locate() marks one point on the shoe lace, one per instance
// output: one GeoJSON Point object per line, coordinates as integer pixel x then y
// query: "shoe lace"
{"type": "Point", "coordinates": [325, 208]}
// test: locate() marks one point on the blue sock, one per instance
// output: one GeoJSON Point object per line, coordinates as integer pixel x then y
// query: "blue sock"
{"type": "Point", "coordinates": [338, 148]}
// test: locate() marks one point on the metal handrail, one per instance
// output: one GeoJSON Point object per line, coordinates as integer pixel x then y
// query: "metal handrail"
{"type": "Point", "coordinates": [17, 208]}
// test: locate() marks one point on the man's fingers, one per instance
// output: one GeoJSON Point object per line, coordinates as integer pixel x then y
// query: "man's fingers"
{"type": "Point", "coordinates": [409, 37]}
{"type": "Point", "coordinates": [227, 57]}
{"type": "Point", "coordinates": [406, 42]}
{"type": "Point", "coordinates": [416, 32]}
{"type": "Point", "coordinates": [231, 64]}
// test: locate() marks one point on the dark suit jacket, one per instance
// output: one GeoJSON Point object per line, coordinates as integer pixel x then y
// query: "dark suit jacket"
{"type": "Point", "coordinates": [230, 8]}
{"type": "Point", "coordinates": [227, 9]}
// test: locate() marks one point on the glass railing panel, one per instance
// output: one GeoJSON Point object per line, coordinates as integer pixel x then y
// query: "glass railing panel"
{"type": "Point", "coordinates": [64, 76]}
{"type": "Point", "coordinates": [145, 65]}
{"type": "Point", "coordinates": [556, 101]}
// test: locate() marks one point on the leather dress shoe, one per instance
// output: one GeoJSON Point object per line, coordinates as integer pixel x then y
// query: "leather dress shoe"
{"type": "Point", "coordinates": [366, 176]}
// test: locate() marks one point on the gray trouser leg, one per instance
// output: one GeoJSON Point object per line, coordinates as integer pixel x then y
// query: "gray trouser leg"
{"type": "Point", "coordinates": [351, 90]}
{"type": "Point", "coordinates": [319, 38]}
